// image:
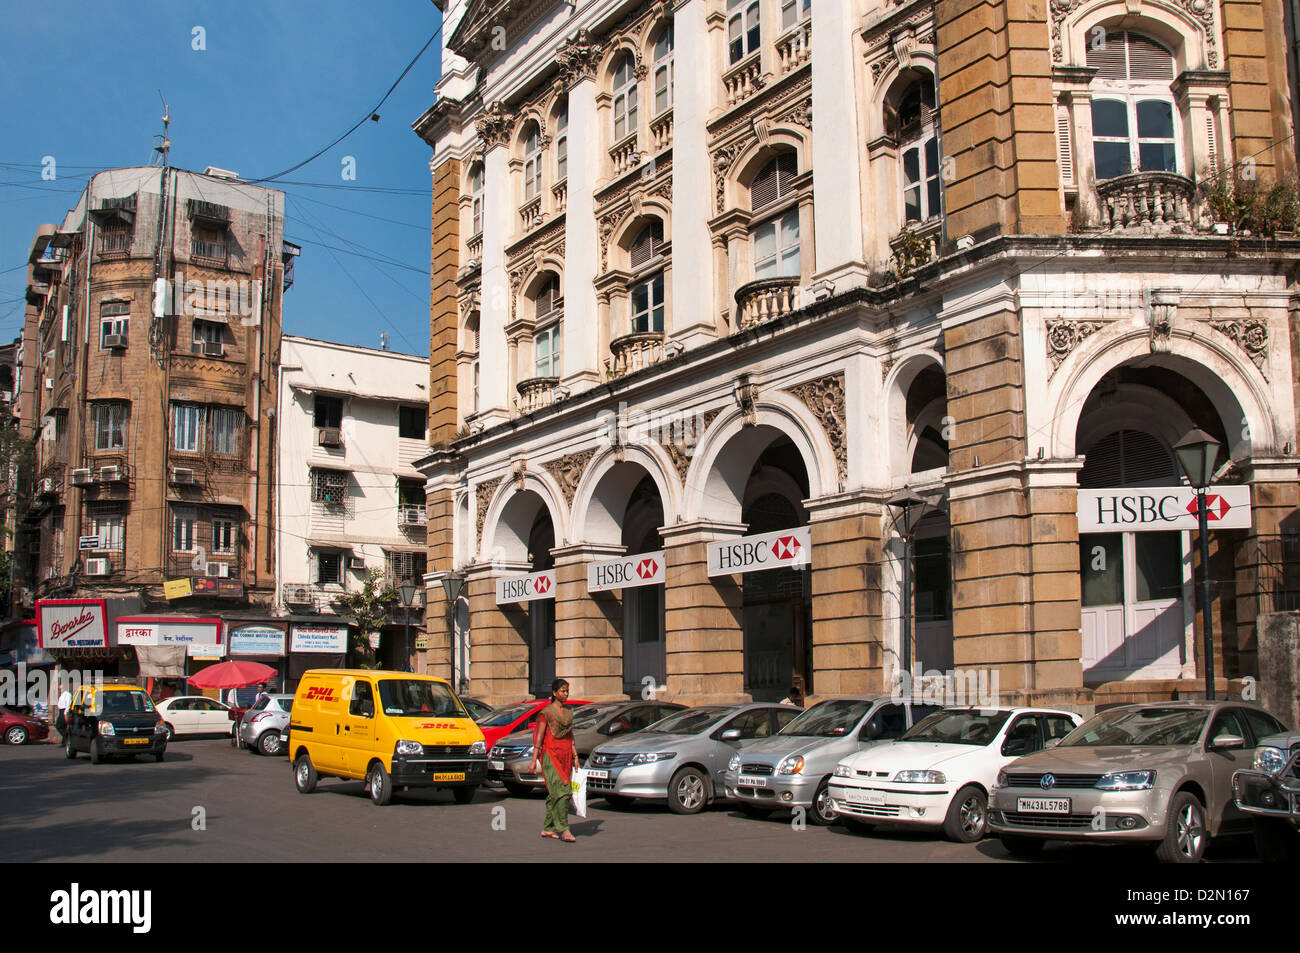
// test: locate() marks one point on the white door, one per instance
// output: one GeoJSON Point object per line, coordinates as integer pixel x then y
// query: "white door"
{"type": "Point", "coordinates": [212, 717]}
{"type": "Point", "coordinates": [182, 717]}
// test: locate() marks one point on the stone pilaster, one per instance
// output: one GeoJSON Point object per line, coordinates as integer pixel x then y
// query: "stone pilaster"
{"type": "Point", "coordinates": [703, 618]}
{"type": "Point", "coordinates": [498, 640]}
{"type": "Point", "coordinates": [1263, 566]}
{"type": "Point", "coordinates": [588, 644]}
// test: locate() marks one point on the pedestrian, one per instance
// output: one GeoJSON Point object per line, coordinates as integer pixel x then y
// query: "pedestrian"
{"type": "Point", "coordinates": [65, 703]}
{"type": "Point", "coordinates": [556, 754]}
{"type": "Point", "coordinates": [795, 697]}
{"type": "Point", "coordinates": [261, 693]}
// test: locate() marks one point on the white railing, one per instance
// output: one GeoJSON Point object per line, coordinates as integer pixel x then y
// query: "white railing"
{"type": "Point", "coordinates": [765, 300]}
{"type": "Point", "coordinates": [743, 80]}
{"type": "Point", "coordinates": [661, 131]}
{"type": "Point", "coordinates": [560, 195]}
{"type": "Point", "coordinates": [530, 213]}
{"type": "Point", "coordinates": [410, 515]}
{"type": "Point", "coordinates": [633, 352]}
{"type": "Point", "coordinates": [625, 155]}
{"type": "Point", "coordinates": [795, 48]}
{"type": "Point", "coordinates": [535, 394]}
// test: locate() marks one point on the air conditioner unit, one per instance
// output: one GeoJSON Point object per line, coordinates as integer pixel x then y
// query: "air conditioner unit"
{"type": "Point", "coordinates": [182, 475]}
{"type": "Point", "coordinates": [356, 562]}
{"type": "Point", "coordinates": [98, 567]}
{"type": "Point", "coordinates": [81, 477]}
{"type": "Point", "coordinates": [115, 474]}
{"type": "Point", "coordinates": [115, 340]}
{"type": "Point", "coordinates": [214, 349]}
{"type": "Point", "coordinates": [329, 437]}
{"type": "Point", "coordinates": [299, 595]}
{"type": "Point", "coordinates": [219, 570]}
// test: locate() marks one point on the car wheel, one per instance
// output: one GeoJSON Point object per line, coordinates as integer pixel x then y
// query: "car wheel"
{"type": "Point", "coordinates": [69, 751]}
{"type": "Point", "coordinates": [1185, 835]}
{"type": "Point", "coordinates": [688, 791]}
{"type": "Point", "coordinates": [304, 774]}
{"type": "Point", "coordinates": [268, 742]}
{"type": "Point", "coordinates": [822, 813]}
{"type": "Point", "coordinates": [857, 827]}
{"type": "Point", "coordinates": [381, 786]}
{"type": "Point", "coordinates": [618, 800]}
{"type": "Point", "coordinates": [16, 735]}
{"type": "Point", "coordinates": [967, 816]}
{"type": "Point", "coordinates": [1276, 841]}
{"type": "Point", "coordinates": [1022, 846]}
{"type": "Point", "coordinates": [464, 795]}
{"type": "Point", "coordinates": [168, 731]}
{"type": "Point", "coordinates": [96, 752]}
{"type": "Point", "coordinates": [516, 789]}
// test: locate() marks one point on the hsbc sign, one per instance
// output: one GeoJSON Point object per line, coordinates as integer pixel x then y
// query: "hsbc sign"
{"type": "Point", "coordinates": [780, 550]}
{"type": "Point", "coordinates": [646, 569]}
{"type": "Point", "coordinates": [1148, 509]}
{"type": "Point", "coordinates": [537, 585]}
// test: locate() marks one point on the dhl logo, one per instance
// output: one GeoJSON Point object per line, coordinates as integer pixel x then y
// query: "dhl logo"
{"type": "Point", "coordinates": [438, 724]}
{"type": "Point", "coordinates": [318, 693]}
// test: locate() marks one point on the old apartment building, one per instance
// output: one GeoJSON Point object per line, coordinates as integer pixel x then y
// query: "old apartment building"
{"type": "Point", "coordinates": [149, 356]}
{"type": "Point", "coordinates": [780, 340]}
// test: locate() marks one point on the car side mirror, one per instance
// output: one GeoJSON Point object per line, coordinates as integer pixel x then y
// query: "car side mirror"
{"type": "Point", "coordinates": [1014, 746]}
{"type": "Point", "coordinates": [872, 732]}
{"type": "Point", "coordinates": [1228, 742]}
{"type": "Point", "coordinates": [731, 734]}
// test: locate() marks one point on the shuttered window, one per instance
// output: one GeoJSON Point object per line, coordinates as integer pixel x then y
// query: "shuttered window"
{"type": "Point", "coordinates": [532, 164]}
{"type": "Point", "coordinates": [647, 245]}
{"type": "Point", "coordinates": [1064, 146]}
{"type": "Point", "coordinates": [774, 182]}
{"type": "Point", "coordinates": [1134, 121]}
{"type": "Point", "coordinates": [1124, 55]}
{"type": "Point", "coordinates": [548, 300]}
{"type": "Point", "coordinates": [1128, 458]}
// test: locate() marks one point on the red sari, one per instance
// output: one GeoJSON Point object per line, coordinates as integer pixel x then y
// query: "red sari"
{"type": "Point", "coordinates": [553, 736]}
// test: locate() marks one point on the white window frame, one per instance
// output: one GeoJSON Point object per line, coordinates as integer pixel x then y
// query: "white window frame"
{"type": "Point", "coordinates": [117, 322]}
{"type": "Point", "coordinates": [548, 366]}
{"type": "Point", "coordinates": [207, 332]}
{"type": "Point", "coordinates": [110, 528]}
{"type": "Point", "coordinates": [562, 144]}
{"type": "Point", "coordinates": [779, 227]}
{"type": "Point", "coordinates": [920, 185]}
{"type": "Point", "coordinates": [1132, 92]}
{"type": "Point", "coordinates": [625, 98]}
{"type": "Point", "coordinates": [184, 529]}
{"type": "Point", "coordinates": [744, 20]}
{"type": "Point", "coordinates": [187, 428]}
{"type": "Point", "coordinates": [652, 315]}
{"type": "Point", "coordinates": [794, 11]}
{"type": "Point", "coordinates": [476, 200]}
{"type": "Point", "coordinates": [115, 425]}
{"type": "Point", "coordinates": [533, 164]}
{"type": "Point", "coordinates": [665, 70]}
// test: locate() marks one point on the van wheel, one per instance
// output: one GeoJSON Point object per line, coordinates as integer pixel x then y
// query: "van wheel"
{"type": "Point", "coordinates": [464, 795]}
{"type": "Point", "coordinates": [96, 752]}
{"type": "Point", "coordinates": [304, 774]}
{"type": "Point", "coordinates": [69, 752]}
{"type": "Point", "coordinates": [381, 786]}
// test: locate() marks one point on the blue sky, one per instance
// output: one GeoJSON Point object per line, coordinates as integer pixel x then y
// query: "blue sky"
{"type": "Point", "coordinates": [278, 80]}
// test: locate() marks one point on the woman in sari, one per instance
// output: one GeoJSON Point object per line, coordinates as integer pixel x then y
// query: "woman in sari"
{"type": "Point", "coordinates": [557, 755]}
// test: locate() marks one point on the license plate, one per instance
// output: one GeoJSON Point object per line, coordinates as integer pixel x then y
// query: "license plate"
{"type": "Point", "coordinates": [598, 775]}
{"type": "Point", "coordinates": [449, 776]}
{"type": "Point", "coordinates": [858, 796]}
{"type": "Point", "coordinates": [753, 782]}
{"type": "Point", "coordinates": [135, 741]}
{"type": "Point", "coordinates": [497, 765]}
{"type": "Point", "coordinates": [1043, 805]}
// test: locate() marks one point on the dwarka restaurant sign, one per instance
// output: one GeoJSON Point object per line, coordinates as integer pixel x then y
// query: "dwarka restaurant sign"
{"type": "Point", "coordinates": [784, 549]}
{"type": "Point", "coordinates": [72, 623]}
{"type": "Point", "coordinates": [646, 569]}
{"type": "Point", "coordinates": [201, 637]}
{"type": "Point", "coordinates": [1149, 509]}
{"type": "Point", "coordinates": [537, 585]}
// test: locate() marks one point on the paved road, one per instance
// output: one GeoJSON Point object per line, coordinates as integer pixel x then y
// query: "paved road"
{"type": "Point", "coordinates": [55, 810]}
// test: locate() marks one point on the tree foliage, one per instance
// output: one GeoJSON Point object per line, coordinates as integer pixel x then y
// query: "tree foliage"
{"type": "Point", "coordinates": [371, 607]}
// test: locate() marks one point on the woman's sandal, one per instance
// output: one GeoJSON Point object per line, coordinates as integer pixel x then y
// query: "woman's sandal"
{"type": "Point", "coordinates": [549, 834]}
{"type": "Point", "coordinates": [567, 837]}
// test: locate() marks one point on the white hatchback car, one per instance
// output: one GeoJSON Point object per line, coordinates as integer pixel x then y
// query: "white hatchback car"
{"type": "Point", "coordinates": [940, 772]}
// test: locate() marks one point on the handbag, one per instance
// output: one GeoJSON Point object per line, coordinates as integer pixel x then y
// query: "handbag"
{"type": "Point", "coordinates": [578, 785]}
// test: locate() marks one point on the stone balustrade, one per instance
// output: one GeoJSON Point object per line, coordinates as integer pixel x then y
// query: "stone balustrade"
{"type": "Point", "coordinates": [474, 248]}
{"type": "Point", "coordinates": [743, 80]}
{"type": "Point", "coordinates": [661, 131]}
{"type": "Point", "coordinates": [633, 352]}
{"type": "Point", "coordinates": [795, 48]}
{"type": "Point", "coordinates": [765, 300]}
{"type": "Point", "coordinates": [560, 194]}
{"type": "Point", "coordinates": [535, 394]}
{"type": "Point", "coordinates": [530, 214]}
{"type": "Point", "coordinates": [1147, 201]}
{"type": "Point", "coordinates": [625, 155]}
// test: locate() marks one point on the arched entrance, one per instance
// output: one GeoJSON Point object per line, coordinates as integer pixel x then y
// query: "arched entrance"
{"type": "Point", "coordinates": [522, 541]}
{"type": "Point", "coordinates": [643, 606]}
{"type": "Point", "coordinates": [541, 612]}
{"type": "Point", "coordinates": [932, 593]}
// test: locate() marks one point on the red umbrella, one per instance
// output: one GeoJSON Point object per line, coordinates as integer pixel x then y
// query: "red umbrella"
{"type": "Point", "coordinates": [233, 675]}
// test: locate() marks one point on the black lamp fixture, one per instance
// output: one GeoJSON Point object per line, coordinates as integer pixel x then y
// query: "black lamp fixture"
{"type": "Point", "coordinates": [905, 499]}
{"type": "Point", "coordinates": [1197, 453]}
{"type": "Point", "coordinates": [406, 592]}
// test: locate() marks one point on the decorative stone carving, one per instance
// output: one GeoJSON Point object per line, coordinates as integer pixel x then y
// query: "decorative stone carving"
{"type": "Point", "coordinates": [881, 66]}
{"type": "Point", "coordinates": [801, 115]}
{"type": "Point", "coordinates": [519, 474]}
{"type": "Point", "coordinates": [746, 394]}
{"type": "Point", "coordinates": [680, 452]}
{"type": "Point", "coordinates": [1250, 335]}
{"type": "Point", "coordinates": [825, 398]}
{"type": "Point", "coordinates": [495, 125]}
{"type": "Point", "coordinates": [723, 160]}
{"type": "Point", "coordinates": [607, 226]}
{"type": "Point", "coordinates": [1063, 336]}
{"type": "Point", "coordinates": [568, 471]}
{"type": "Point", "coordinates": [578, 58]}
{"type": "Point", "coordinates": [483, 494]}
{"type": "Point", "coordinates": [1201, 10]}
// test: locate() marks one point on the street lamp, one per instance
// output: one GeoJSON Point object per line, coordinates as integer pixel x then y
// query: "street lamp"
{"type": "Point", "coordinates": [452, 584]}
{"type": "Point", "coordinates": [906, 499]}
{"type": "Point", "coordinates": [1196, 455]}
{"type": "Point", "coordinates": [406, 592]}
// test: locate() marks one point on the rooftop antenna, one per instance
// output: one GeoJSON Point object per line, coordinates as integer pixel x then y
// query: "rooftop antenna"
{"type": "Point", "coordinates": [383, 340]}
{"type": "Point", "coordinates": [161, 144]}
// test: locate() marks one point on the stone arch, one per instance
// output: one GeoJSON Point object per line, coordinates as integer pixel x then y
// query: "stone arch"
{"type": "Point", "coordinates": [1233, 385]}
{"type": "Point", "coordinates": [511, 514]}
{"type": "Point", "coordinates": [608, 482]}
{"type": "Point", "coordinates": [902, 438]}
{"type": "Point", "coordinates": [756, 155]}
{"type": "Point", "coordinates": [896, 80]}
{"type": "Point", "coordinates": [527, 119]}
{"type": "Point", "coordinates": [1191, 36]}
{"type": "Point", "coordinates": [626, 232]}
{"type": "Point", "coordinates": [536, 277]}
{"type": "Point", "coordinates": [621, 45]}
{"type": "Point", "coordinates": [716, 482]}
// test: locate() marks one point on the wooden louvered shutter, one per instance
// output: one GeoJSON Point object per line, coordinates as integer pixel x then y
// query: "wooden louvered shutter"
{"type": "Point", "coordinates": [1064, 146]}
{"type": "Point", "coordinates": [1212, 142]}
{"type": "Point", "coordinates": [774, 182]}
{"type": "Point", "coordinates": [646, 246]}
{"type": "Point", "coordinates": [1109, 58]}
{"type": "Point", "coordinates": [1147, 59]}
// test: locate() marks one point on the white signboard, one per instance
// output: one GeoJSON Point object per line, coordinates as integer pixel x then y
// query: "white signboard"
{"type": "Point", "coordinates": [71, 623]}
{"type": "Point", "coordinates": [256, 640]}
{"type": "Point", "coordinates": [87, 542]}
{"type": "Point", "coordinates": [780, 550]}
{"type": "Point", "coordinates": [647, 569]}
{"type": "Point", "coordinates": [201, 637]}
{"type": "Point", "coordinates": [537, 585]}
{"type": "Point", "coordinates": [322, 639]}
{"type": "Point", "coordinates": [1148, 509]}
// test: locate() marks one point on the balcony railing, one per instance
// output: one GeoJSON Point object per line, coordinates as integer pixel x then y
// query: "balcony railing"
{"type": "Point", "coordinates": [916, 245]}
{"type": "Point", "coordinates": [560, 195]}
{"type": "Point", "coordinates": [765, 300]}
{"type": "Point", "coordinates": [661, 131]}
{"type": "Point", "coordinates": [536, 393]}
{"type": "Point", "coordinates": [411, 515]}
{"type": "Point", "coordinates": [530, 213]}
{"type": "Point", "coordinates": [795, 48]}
{"type": "Point", "coordinates": [625, 155]}
{"type": "Point", "coordinates": [215, 251]}
{"type": "Point", "coordinates": [1147, 201]}
{"type": "Point", "coordinates": [632, 352]}
{"type": "Point", "coordinates": [474, 247]}
{"type": "Point", "coordinates": [743, 80]}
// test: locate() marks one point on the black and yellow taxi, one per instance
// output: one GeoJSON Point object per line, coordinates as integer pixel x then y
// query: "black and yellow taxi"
{"type": "Point", "coordinates": [114, 720]}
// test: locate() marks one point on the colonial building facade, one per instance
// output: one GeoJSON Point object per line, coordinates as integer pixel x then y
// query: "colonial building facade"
{"type": "Point", "coordinates": [826, 314]}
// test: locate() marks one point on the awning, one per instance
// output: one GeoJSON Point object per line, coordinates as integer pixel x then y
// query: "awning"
{"type": "Point", "coordinates": [161, 661]}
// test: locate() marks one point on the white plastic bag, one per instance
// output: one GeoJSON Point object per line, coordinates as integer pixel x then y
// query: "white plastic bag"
{"type": "Point", "coordinates": [578, 784]}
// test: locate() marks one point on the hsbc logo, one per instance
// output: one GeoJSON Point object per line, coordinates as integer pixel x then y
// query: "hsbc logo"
{"type": "Point", "coordinates": [647, 568]}
{"type": "Point", "coordinates": [780, 550]}
{"type": "Point", "coordinates": [542, 585]}
{"type": "Point", "coordinates": [538, 585]}
{"type": "Point", "coordinates": [642, 569]}
{"type": "Point", "coordinates": [786, 548]}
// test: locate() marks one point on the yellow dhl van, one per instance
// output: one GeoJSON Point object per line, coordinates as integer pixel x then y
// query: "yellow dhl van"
{"type": "Point", "coordinates": [391, 729]}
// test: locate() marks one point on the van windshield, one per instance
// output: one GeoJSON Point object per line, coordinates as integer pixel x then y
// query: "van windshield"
{"type": "Point", "coordinates": [418, 698]}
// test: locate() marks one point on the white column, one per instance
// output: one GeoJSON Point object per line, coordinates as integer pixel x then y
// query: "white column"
{"type": "Point", "coordinates": [494, 401]}
{"type": "Point", "coordinates": [837, 152]}
{"type": "Point", "coordinates": [692, 321]}
{"type": "Point", "coordinates": [582, 363]}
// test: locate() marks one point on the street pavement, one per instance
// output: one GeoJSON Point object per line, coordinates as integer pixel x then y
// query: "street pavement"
{"type": "Point", "coordinates": [211, 803]}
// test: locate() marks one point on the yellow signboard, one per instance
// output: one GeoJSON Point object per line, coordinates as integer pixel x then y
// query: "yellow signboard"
{"type": "Point", "coordinates": [421, 641]}
{"type": "Point", "coordinates": [177, 588]}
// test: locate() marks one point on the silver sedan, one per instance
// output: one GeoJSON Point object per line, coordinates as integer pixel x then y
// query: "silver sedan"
{"type": "Point", "coordinates": [682, 758]}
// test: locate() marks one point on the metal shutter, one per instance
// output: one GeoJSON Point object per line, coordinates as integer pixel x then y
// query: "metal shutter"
{"type": "Point", "coordinates": [1109, 57]}
{"type": "Point", "coordinates": [646, 246]}
{"type": "Point", "coordinates": [1147, 59]}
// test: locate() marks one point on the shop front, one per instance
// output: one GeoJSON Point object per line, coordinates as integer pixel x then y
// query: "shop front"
{"type": "Point", "coordinates": [262, 642]}
{"type": "Point", "coordinates": [315, 645]}
{"type": "Point", "coordinates": [170, 649]}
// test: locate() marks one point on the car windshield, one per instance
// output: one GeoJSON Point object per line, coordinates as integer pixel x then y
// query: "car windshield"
{"type": "Point", "coordinates": [417, 698]}
{"type": "Point", "coordinates": [1141, 726]}
{"type": "Point", "coordinates": [959, 727]}
{"type": "Point", "coordinates": [505, 716]}
{"type": "Point", "coordinates": [830, 719]}
{"type": "Point", "coordinates": [119, 703]}
{"type": "Point", "coordinates": [588, 715]}
{"type": "Point", "coordinates": [688, 722]}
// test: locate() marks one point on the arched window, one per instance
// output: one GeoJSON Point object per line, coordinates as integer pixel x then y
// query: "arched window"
{"type": "Point", "coordinates": [794, 11]}
{"type": "Point", "coordinates": [562, 143]}
{"type": "Point", "coordinates": [1133, 115]}
{"type": "Point", "coordinates": [646, 291]}
{"type": "Point", "coordinates": [664, 70]}
{"type": "Point", "coordinates": [743, 28]}
{"type": "Point", "coordinates": [625, 98]}
{"type": "Point", "coordinates": [776, 240]}
{"type": "Point", "coordinates": [533, 163]}
{"type": "Point", "coordinates": [476, 199]}
{"type": "Point", "coordinates": [471, 345]}
{"type": "Point", "coordinates": [918, 151]}
{"type": "Point", "coordinates": [548, 309]}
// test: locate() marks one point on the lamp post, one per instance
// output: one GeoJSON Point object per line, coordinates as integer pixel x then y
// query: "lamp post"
{"type": "Point", "coordinates": [406, 592]}
{"type": "Point", "coordinates": [452, 583]}
{"type": "Point", "coordinates": [906, 499]}
{"type": "Point", "coordinates": [1196, 454]}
